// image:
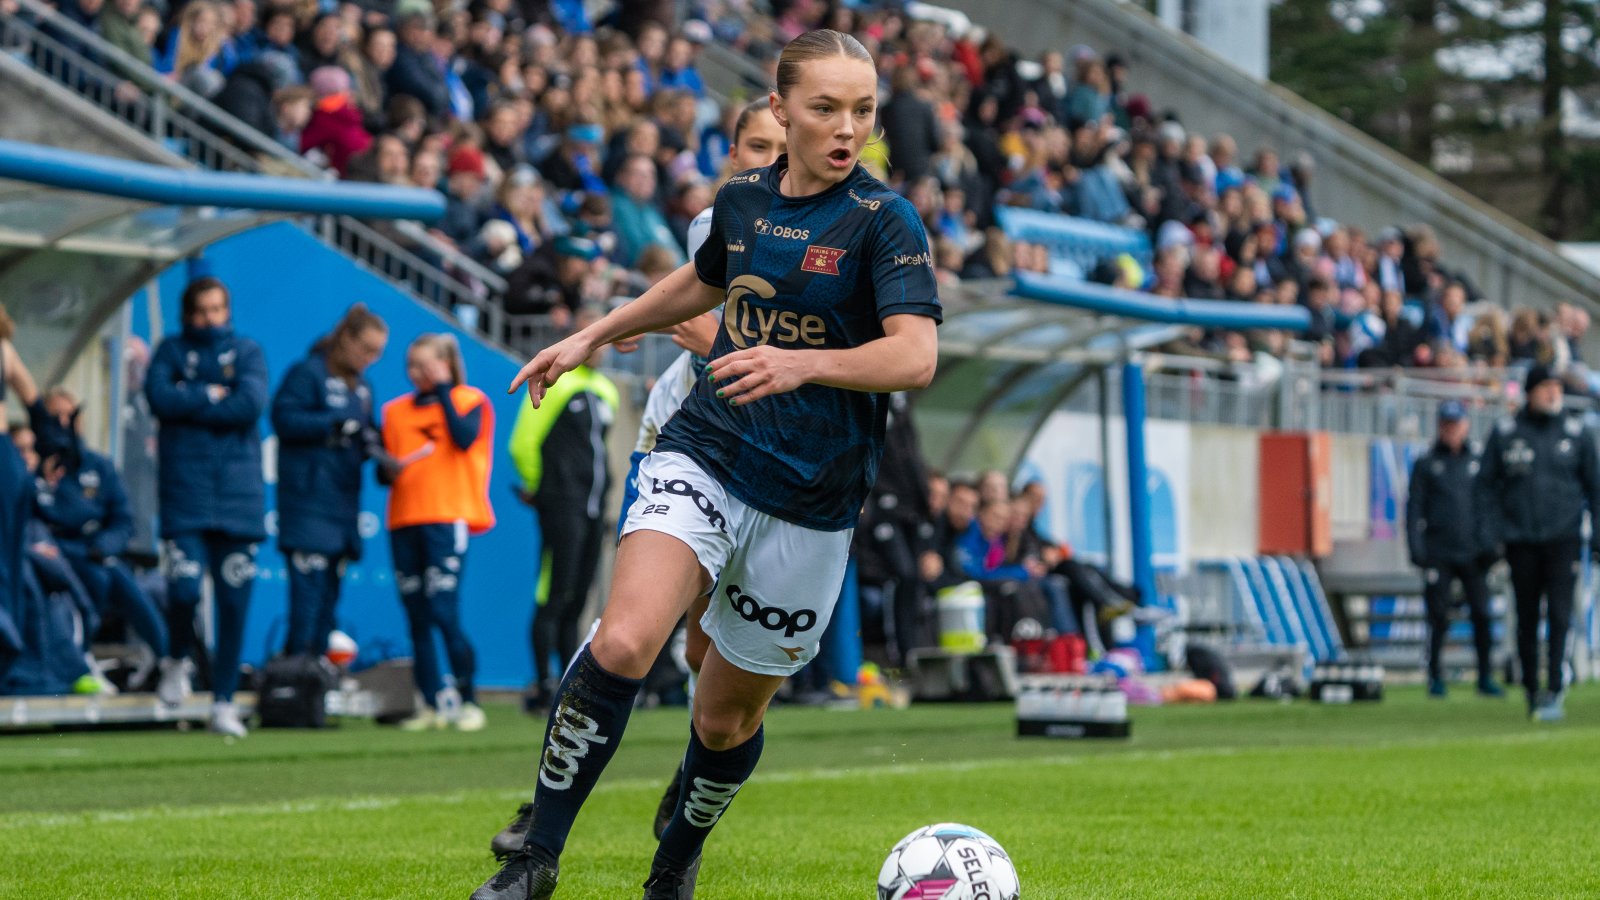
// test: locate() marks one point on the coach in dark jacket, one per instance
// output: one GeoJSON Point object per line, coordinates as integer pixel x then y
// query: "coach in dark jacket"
{"type": "Point", "coordinates": [82, 502]}
{"type": "Point", "coordinates": [1539, 475]}
{"type": "Point", "coordinates": [208, 387]}
{"type": "Point", "coordinates": [327, 427]}
{"type": "Point", "coordinates": [1443, 536]}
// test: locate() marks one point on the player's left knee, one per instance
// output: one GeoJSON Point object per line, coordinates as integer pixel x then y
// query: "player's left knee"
{"type": "Point", "coordinates": [726, 727]}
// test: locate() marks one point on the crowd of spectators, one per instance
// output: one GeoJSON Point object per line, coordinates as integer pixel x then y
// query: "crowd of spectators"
{"type": "Point", "coordinates": [539, 124]}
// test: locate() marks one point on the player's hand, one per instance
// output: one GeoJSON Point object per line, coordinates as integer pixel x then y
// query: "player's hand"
{"type": "Point", "coordinates": [51, 469]}
{"type": "Point", "coordinates": [746, 376]}
{"type": "Point", "coordinates": [696, 335]}
{"type": "Point", "coordinates": [556, 360]}
{"type": "Point", "coordinates": [437, 371]}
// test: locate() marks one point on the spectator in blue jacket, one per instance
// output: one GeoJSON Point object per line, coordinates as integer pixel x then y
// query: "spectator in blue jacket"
{"type": "Point", "coordinates": [1015, 584]}
{"type": "Point", "coordinates": [208, 387]}
{"type": "Point", "coordinates": [415, 72]}
{"type": "Point", "coordinates": [678, 69]}
{"type": "Point", "coordinates": [82, 501]}
{"type": "Point", "coordinates": [326, 424]}
{"type": "Point", "coordinates": [639, 221]}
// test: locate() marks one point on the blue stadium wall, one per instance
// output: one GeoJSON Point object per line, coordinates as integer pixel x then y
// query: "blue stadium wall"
{"type": "Point", "coordinates": [288, 288]}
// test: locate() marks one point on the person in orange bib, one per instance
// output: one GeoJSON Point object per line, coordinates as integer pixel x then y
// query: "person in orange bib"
{"type": "Point", "coordinates": [442, 436]}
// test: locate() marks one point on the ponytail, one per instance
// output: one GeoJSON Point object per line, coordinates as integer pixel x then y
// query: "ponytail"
{"type": "Point", "coordinates": [357, 320]}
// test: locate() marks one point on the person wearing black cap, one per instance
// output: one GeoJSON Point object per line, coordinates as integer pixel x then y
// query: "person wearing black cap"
{"type": "Point", "coordinates": [1443, 538]}
{"type": "Point", "coordinates": [1539, 473]}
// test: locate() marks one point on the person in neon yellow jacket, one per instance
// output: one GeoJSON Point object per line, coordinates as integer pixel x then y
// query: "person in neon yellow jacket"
{"type": "Point", "coordinates": [559, 450]}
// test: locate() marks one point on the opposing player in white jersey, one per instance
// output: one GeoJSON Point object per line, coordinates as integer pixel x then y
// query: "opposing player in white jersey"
{"type": "Point", "coordinates": [758, 141]}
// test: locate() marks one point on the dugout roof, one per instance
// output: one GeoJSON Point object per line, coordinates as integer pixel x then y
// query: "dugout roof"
{"type": "Point", "coordinates": [1005, 364]}
{"type": "Point", "coordinates": [68, 260]}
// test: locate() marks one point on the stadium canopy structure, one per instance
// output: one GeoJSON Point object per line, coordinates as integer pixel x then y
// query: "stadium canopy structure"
{"type": "Point", "coordinates": [80, 233]}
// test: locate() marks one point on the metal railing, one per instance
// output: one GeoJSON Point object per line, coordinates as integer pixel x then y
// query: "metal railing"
{"type": "Point", "coordinates": [197, 130]}
{"type": "Point", "coordinates": [1299, 396]}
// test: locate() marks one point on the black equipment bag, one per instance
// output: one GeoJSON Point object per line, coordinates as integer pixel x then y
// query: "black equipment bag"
{"type": "Point", "coordinates": [293, 692]}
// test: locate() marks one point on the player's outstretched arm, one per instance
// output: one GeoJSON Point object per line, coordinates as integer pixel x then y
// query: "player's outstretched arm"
{"type": "Point", "coordinates": [676, 298]}
{"type": "Point", "coordinates": [903, 359]}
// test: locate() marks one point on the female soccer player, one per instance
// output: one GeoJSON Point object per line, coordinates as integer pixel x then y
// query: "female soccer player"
{"type": "Point", "coordinates": [442, 437]}
{"type": "Point", "coordinates": [757, 142]}
{"type": "Point", "coordinates": [753, 488]}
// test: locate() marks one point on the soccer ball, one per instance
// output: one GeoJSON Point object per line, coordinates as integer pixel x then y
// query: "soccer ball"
{"type": "Point", "coordinates": [948, 862]}
{"type": "Point", "coordinates": [341, 649]}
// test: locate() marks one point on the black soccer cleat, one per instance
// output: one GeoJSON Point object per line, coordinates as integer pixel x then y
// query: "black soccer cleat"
{"type": "Point", "coordinates": [671, 884]}
{"type": "Point", "coordinates": [510, 838]}
{"type": "Point", "coordinates": [669, 803]}
{"type": "Point", "coordinates": [521, 877]}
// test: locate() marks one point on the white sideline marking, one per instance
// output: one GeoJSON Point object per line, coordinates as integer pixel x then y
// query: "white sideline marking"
{"type": "Point", "coordinates": [18, 821]}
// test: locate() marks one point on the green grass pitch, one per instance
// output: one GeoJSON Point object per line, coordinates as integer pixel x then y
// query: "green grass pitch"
{"type": "Point", "coordinates": [1410, 797]}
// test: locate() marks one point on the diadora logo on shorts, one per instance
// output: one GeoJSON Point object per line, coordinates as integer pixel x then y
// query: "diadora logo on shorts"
{"type": "Point", "coordinates": [747, 178]}
{"type": "Point", "coordinates": [772, 618]}
{"type": "Point", "coordinates": [750, 325]}
{"type": "Point", "coordinates": [681, 488]}
{"type": "Point", "coordinates": [571, 735]}
{"type": "Point", "coordinates": [794, 234]}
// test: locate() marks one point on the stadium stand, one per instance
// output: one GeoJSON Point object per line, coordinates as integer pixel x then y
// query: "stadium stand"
{"type": "Point", "coordinates": [1053, 172]}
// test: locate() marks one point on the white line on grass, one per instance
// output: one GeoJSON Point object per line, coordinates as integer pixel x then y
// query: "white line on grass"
{"type": "Point", "coordinates": [31, 821]}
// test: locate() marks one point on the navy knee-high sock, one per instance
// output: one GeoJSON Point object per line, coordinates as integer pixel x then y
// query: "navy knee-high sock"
{"type": "Point", "coordinates": [591, 710]}
{"type": "Point", "coordinates": [710, 779]}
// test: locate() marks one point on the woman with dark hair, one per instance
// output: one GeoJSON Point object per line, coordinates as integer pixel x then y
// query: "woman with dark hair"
{"type": "Point", "coordinates": [208, 387]}
{"type": "Point", "coordinates": [327, 429]}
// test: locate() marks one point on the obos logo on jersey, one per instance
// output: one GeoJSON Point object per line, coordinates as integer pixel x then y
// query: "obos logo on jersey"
{"type": "Point", "coordinates": [765, 227]}
{"type": "Point", "coordinates": [749, 325]}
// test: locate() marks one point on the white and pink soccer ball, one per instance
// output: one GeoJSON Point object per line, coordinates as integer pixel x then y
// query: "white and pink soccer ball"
{"type": "Point", "coordinates": [948, 862]}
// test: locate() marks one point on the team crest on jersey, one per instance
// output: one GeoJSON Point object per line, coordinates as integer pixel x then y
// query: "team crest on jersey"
{"type": "Point", "coordinates": [822, 260]}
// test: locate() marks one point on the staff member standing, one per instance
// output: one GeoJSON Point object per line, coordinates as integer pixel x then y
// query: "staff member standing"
{"type": "Point", "coordinates": [1443, 536]}
{"type": "Point", "coordinates": [441, 435]}
{"type": "Point", "coordinates": [326, 424]}
{"type": "Point", "coordinates": [208, 388]}
{"type": "Point", "coordinates": [559, 449]}
{"type": "Point", "coordinates": [1539, 474]}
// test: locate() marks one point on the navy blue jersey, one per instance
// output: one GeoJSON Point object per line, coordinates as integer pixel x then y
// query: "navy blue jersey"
{"type": "Point", "coordinates": [815, 272]}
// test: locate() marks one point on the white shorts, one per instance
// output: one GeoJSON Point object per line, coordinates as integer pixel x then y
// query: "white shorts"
{"type": "Point", "coordinates": [774, 583]}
